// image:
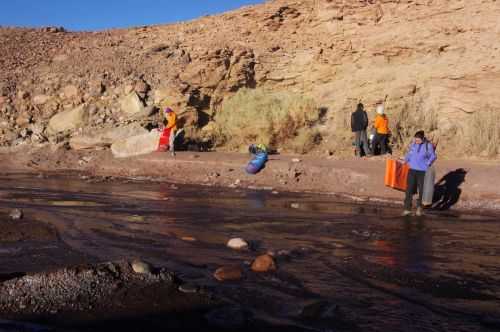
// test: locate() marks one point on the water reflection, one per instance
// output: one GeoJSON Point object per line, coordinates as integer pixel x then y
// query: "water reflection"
{"type": "Point", "coordinates": [411, 251]}
{"type": "Point", "coordinates": [186, 229]}
{"type": "Point", "coordinates": [256, 200]}
{"type": "Point", "coordinates": [416, 247]}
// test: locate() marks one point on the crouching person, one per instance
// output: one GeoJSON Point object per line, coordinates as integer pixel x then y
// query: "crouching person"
{"type": "Point", "coordinates": [171, 118]}
{"type": "Point", "coordinates": [168, 132]}
{"type": "Point", "coordinates": [419, 158]}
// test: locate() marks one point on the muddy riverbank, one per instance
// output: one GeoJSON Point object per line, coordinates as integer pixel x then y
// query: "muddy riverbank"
{"type": "Point", "coordinates": [340, 266]}
{"type": "Point", "coordinates": [463, 185]}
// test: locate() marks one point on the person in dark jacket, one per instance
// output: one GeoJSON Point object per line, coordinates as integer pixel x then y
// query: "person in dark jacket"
{"type": "Point", "coordinates": [419, 158]}
{"type": "Point", "coordinates": [359, 123]}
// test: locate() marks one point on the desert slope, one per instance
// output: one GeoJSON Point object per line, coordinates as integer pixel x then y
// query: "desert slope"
{"type": "Point", "coordinates": [435, 62]}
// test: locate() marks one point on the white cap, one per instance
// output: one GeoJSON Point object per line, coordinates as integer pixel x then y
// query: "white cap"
{"type": "Point", "coordinates": [380, 109]}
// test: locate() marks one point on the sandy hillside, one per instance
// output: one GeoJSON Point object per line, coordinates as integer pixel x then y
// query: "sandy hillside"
{"type": "Point", "coordinates": [436, 63]}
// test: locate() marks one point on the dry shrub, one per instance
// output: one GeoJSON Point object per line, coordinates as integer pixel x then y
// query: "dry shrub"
{"type": "Point", "coordinates": [405, 121]}
{"type": "Point", "coordinates": [482, 130]}
{"type": "Point", "coordinates": [484, 133]}
{"type": "Point", "coordinates": [271, 118]}
{"type": "Point", "coordinates": [305, 141]}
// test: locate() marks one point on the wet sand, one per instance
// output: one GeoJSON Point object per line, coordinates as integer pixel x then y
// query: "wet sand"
{"type": "Point", "coordinates": [341, 265]}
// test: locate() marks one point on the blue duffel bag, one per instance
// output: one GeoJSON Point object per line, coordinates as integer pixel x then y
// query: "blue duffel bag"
{"type": "Point", "coordinates": [258, 162]}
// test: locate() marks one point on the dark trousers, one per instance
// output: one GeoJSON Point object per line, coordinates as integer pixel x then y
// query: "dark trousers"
{"type": "Point", "coordinates": [380, 139]}
{"type": "Point", "coordinates": [415, 183]}
{"type": "Point", "coordinates": [361, 142]}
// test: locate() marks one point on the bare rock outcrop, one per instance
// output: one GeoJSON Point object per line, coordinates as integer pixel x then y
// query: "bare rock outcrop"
{"type": "Point", "coordinates": [131, 105]}
{"type": "Point", "coordinates": [106, 137]}
{"type": "Point", "coordinates": [434, 61]}
{"type": "Point", "coordinates": [136, 145]}
{"type": "Point", "coordinates": [68, 120]}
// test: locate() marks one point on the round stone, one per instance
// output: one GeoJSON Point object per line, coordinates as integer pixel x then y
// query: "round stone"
{"type": "Point", "coordinates": [228, 273]}
{"type": "Point", "coordinates": [16, 214]}
{"type": "Point", "coordinates": [264, 263]}
{"type": "Point", "coordinates": [189, 288]}
{"type": "Point", "coordinates": [237, 244]}
{"type": "Point", "coordinates": [141, 267]}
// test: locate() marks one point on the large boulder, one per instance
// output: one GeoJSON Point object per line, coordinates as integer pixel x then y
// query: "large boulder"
{"type": "Point", "coordinates": [68, 120]}
{"type": "Point", "coordinates": [131, 105]}
{"type": "Point", "coordinates": [40, 99]}
{"type": "Point", "coordinates": [170, 96]}
{"type": "Point", "coordinates": [70, 91]}
{"type": "Point", "coordinates": [141, 87]}
{"type": "Point", "coordinates": [106, 137]}
{"type": "Point", "coordinates": [96, 87]}
{"type": "Point", "coordinates": [136, 145]}
{"type": "Point", "coordinates": [23, 119]}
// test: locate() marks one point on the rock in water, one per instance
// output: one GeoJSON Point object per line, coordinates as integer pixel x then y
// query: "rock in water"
{"type": "Point", "coordinates": [228, 273]}
{"type": "Point", "coordinates": [237, 244]}
{"type": "Point", "coordinates": [136, 145]}
{"type": "Point", "coordinates": [189, 288]}
{"type": "Point", "coordinates": [264, 263]}
{"type": "Point", "coordinates": [16, 214]}
{"type": "Point", "coordinates": [141, 267]}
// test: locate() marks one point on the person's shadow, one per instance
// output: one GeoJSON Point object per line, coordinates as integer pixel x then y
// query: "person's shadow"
{"type": "Point", "coordinates": [447, 191]}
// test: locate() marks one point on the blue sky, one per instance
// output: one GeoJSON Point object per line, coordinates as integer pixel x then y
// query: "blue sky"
{"type": "Point", "coordinates": [104, 14]}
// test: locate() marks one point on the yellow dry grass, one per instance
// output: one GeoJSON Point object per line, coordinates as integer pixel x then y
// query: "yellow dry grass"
{"type": "Point", "coordinates": [278, 119]}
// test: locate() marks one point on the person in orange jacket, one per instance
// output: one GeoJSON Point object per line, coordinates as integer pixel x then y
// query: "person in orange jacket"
{"type": "Point", "coordinates": [381, 126]}
{"type": "Point", "coordinates": [171, 118]}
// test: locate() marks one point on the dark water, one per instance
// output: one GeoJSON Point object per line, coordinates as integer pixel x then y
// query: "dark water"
{"type": "Point", "coordinates": [341, 266]}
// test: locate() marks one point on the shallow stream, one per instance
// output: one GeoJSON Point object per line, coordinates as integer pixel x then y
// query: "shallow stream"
{"type": "Point", "coordinates": [341, 266]}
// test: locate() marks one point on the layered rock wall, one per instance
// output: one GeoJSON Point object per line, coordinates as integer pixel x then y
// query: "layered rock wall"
{"type": "Point", "coordinates": [435, 58]}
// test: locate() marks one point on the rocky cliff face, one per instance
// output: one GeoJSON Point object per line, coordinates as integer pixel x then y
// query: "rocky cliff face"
{"type": "Point", "coordinates": [434, 61]}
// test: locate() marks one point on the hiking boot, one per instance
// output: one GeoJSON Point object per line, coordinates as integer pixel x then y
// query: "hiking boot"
{"type": "Point", "coordinates": [406, 213]}
{"type": "Point", "coordinates": [420, 212]}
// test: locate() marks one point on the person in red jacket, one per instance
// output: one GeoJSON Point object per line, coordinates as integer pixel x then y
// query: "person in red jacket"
{"type": "Point", "coordinates": [168, 135]}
